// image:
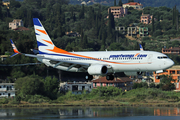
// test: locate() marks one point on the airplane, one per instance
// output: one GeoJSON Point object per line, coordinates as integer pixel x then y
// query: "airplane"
{"type": "Point", "coordinates": [105, 63]}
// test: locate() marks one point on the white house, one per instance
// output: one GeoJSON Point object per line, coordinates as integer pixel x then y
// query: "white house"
{"type": "Point", "coordinates": [15, 24]}
{"type": "Point", "coordinates": [76, 87]}
{"type": "Point", "coordinates": [7, 90]}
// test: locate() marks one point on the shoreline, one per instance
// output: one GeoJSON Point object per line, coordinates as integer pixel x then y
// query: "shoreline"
{"type": "Point", "coordinates": [85, 104]}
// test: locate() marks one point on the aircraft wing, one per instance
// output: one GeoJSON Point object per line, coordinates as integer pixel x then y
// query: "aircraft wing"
{"type": "Point", "coordinates": [69, 64]}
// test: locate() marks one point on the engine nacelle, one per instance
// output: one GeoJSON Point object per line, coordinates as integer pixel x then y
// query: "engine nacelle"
{"type": "Point", "coordinates": [97, 70]}
{"type": "Point", "coordinates": [132, 73]}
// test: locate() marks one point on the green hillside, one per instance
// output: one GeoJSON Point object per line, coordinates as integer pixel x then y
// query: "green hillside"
{"type": "Point", "coordinates": [152, 3]}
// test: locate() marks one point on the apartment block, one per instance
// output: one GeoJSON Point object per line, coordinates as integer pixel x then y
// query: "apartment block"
{"type": "Point", "coordinates": [171, 50]}
{"type": "Point", "coordinates": [174, 72]}
{"type": "Point", "coordinates": [118, 11]}
{"type": "Point", "coordinates": [146, 18]}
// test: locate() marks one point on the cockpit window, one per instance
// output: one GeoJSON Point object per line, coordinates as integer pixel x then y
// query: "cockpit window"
{"type": "Point", "coordinates": [162, 57]}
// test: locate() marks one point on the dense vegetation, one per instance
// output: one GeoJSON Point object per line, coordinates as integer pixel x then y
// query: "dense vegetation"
{"type": "Point", "coordinates": [34, 89]}
{"type": "Point", "coordinates": [146, 3]}
{"type": "Point", "coordinates": [104, 96]}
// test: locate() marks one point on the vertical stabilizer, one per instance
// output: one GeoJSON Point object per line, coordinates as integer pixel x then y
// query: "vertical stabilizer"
{"type": "Point", "coordinates": [141, 48]}
{"type": "Point", "coordinates": [43, 40]}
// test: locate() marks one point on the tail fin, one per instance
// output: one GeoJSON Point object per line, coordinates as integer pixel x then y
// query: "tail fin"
{"type": "Point", "coordinates": [141, 48]}
{"type": "Point", "coordinates": [14, 48]}
{"type": "Point", "coordinates": [45, 45]}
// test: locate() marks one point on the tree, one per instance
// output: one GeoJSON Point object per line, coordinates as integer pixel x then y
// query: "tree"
{"type": "Point", "coordinates": [1, 12]}
{"type": "Point", "coordinates": [152, 85]}
{"type": "Point", "coordinates": [152, 30]}
{"type": "Point", "coordinates": [81, 14]}
{"type": "Point", "coordinates": [85, 41]}
{"type": "Point", "coordinates": [114, 2]}
{"type": "Point", "coordinates": [120, 3]}
{"type": "Point", "coordinates": [166, 82]}
{"type": "Point", "coordinates": [14, 4]}
{"type": "Point", "coordinates": [29, 85]}
{"type": "Point", "coordinates": [130, 1]}
{"type": "Point", "coordinates": [111, 27]}
{"type": "Point", "coordinates": [51, 87]}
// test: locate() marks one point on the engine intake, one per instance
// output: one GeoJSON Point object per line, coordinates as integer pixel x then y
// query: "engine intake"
{"type": "Point", "coordinates": [97, 70]}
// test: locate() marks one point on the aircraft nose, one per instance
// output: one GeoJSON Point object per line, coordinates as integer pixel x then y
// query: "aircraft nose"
{"type": "Point", "coordinates": [170, 63]}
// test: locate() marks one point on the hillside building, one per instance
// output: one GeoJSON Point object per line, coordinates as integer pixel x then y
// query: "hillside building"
{"type": "Point", "coordinates": [118, 11]}
{"type": "Point", "coordinates": [146, 18]}
{"type": "Point", "coordinates": [174, 72]}
{"type": "Point", "coordinates": [171, 50]}
{"type": "Point", "coordinates": [124, 83]}
{"type": "Point", "coordinates": [7, 90]}
{"type": "Point", "coordinates": [73, 34]}
{"type": "Point", "coordinates": [135, 5]}
{"type": "Point", "coordinates": [6, 4]}
{"type": "Point", "coordinates": [76, 87]}
{"type": "Point", "coordinates": [15, 24]}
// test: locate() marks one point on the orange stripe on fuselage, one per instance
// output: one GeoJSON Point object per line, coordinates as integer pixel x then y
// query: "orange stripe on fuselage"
{"type": "Point", "coordinates": [61, 51]}
{"type": "Point", "coordinates": [42, 31]}
{"type": "Point", "coordinates": [136, 54]}
{"type": "Point", "coordinates": [48, 41]}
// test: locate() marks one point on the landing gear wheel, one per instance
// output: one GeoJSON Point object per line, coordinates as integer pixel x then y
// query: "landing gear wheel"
{"type": "Point", "coordinates": [109, 77]}
{"type": "Point", "coordinates": [88, 77]}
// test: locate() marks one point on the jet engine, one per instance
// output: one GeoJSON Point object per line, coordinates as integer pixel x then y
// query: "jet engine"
{"type": "Point", "coordinates": [97, 70]}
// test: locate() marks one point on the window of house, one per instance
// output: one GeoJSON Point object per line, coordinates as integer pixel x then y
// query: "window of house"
{"type": "Point", "coordinates": [95, 84]}
{"type": "Point", "coordinates": [101, 84]}
{"type": "Point", "coordinates": [178, 78]}
{"type": "Point", "coordinates": [172, 72]}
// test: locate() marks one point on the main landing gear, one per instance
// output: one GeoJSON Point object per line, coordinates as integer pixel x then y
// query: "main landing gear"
{"type": "Point", "coordinates": [88, 77]}
{"type": "Point", "coordinates": [110, 77]}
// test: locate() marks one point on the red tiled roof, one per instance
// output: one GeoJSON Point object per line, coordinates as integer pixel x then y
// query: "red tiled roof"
{"type": "Point", "coordinates": [22, 28]}
{"type": "Point", "coordinates": [133, 3]}
{"type": "Point", "coordinates": [118, 80]}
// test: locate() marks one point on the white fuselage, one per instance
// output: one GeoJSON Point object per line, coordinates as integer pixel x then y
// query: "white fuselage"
{"type": "Point", "coordinates": [119, 61]}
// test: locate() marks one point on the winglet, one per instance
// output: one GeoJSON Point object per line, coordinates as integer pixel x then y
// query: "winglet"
{"type": "Point", "coordinates": [14, 48]}
{"type": "Point", "coordinates": [141, 48]}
